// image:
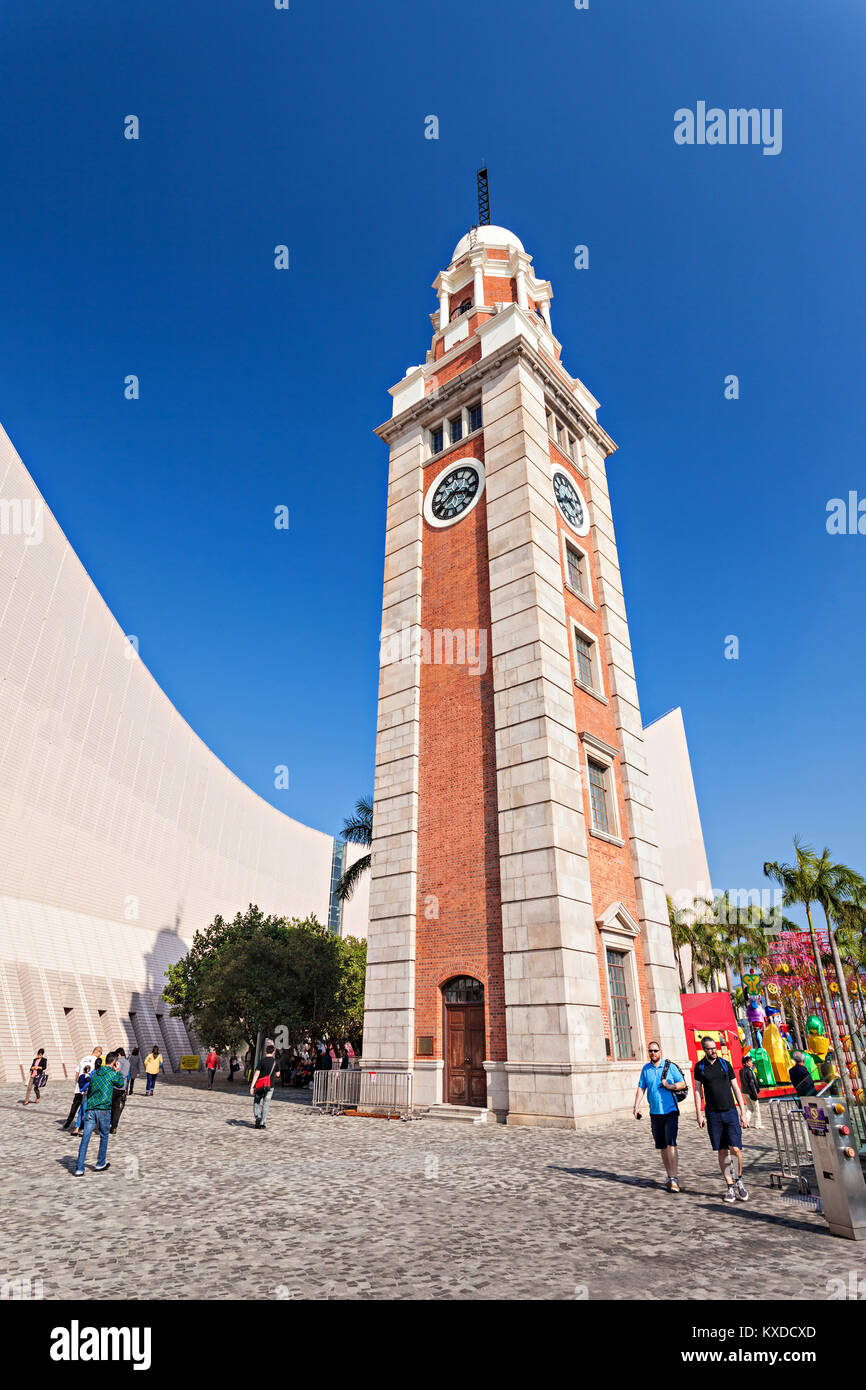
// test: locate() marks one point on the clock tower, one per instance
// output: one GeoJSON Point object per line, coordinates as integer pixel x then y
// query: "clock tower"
{"type": "Point", "coordinates": [519, 955]}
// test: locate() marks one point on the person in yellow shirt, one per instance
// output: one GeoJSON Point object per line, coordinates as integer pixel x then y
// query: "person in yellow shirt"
{"type": "Point", "coordinates": [152, 1065]}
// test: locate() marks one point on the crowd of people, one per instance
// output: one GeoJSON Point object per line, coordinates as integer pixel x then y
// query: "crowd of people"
{"type": "Point", "coordinates": [296, 1065]}
{"type": "Point", "coordinates": [724, 1106]}
{"type": "Point", "coordinates": [286, 1067]}
{"type": "Point", "coordinates": [103, 1082]}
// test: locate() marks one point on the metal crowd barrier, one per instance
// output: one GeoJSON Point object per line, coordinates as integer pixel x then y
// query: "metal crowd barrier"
{"type": "Point", "coordinates": [388, 1092]}
{"type": "Point", "coordinates": [336, 1090]}
{"type": "Point", "coordinates": [793, 1149]}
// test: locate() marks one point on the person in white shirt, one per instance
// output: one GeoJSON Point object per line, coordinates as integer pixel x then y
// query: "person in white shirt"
{"type": "Point", "coordinates": [86, 1061]}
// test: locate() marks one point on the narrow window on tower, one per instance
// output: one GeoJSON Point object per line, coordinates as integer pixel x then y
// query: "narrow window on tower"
{"type": "Point", "coordinates": [560, 436]}
{"type": "Point", "coordinates": [437, 439]}
{"type": "Point", "coordinates": [571, 447]}
{"type": "Point", "coordinates": [576, 571]}
{"type": "Point", "coordinates": [599, 797]}
{"type": "Point", "coordinates": [475, 417]}
{"type": "Point", "coordinates": [550, 424]}
{"type": "Point", "coordinates": [456, 428]}
{"type": "Point", "coordinates": [583, 659]}
{"type": "Point", "coordinates": [619, 1005]}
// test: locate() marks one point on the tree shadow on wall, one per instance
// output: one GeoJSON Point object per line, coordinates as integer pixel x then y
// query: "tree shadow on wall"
{"type": "Point", "coordinates": [149, 1012]}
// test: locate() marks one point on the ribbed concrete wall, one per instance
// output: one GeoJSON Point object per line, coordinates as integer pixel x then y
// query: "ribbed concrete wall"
{"type": "Point", "coordinates": [681, 839]}
{"type": "Point", "coordinates": [120, 832]}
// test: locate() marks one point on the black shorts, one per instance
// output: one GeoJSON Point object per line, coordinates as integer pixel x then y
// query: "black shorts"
{"type": "Point", "coordinates": [665, 1129]}
{"type": "Point", "coordinates": [723, 1127]}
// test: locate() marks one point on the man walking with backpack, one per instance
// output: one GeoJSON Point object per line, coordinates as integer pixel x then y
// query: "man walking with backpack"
{"type": "Point", "coordinates": [262, 1086]}
{"type": "Point", "coordinates": [724, 1115]}
{"type": "Point", "coordinates": [661, 1080]}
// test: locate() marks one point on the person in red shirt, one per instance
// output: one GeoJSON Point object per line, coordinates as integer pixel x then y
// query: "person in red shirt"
{"type": "Point", "coordinates": [212, 1062]}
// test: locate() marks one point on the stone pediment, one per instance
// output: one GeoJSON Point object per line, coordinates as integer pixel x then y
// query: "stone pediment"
{"type": "Point", "coordinates": [617, 918]}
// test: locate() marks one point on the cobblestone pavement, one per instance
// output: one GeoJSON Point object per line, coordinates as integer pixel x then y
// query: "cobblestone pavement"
{"type": "Point", "coordinates": [198, 1204]}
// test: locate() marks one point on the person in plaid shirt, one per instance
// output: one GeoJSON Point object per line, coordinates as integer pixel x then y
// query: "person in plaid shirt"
{"type": "Point", "coordinates": [104, 1081]}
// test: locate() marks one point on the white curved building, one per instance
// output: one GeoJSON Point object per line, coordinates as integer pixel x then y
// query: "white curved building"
{"type": "Point", "coordinates": [121, 833]}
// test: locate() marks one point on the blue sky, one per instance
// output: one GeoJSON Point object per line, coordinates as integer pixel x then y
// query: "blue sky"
{"type": "Point", "coordinates": [261, 388]}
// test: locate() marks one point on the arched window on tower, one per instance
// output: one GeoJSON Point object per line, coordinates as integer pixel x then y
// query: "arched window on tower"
{"type": "Point", "coordinates": [462, 308]}
{"type": "Point", "coordinates": [464, 990]}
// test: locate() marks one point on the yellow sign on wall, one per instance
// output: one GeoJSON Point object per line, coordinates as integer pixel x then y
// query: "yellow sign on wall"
{"type": "Point", "coordinates": [719, 1036]}
{"type": "Point", "coordinates": [190, 1062]}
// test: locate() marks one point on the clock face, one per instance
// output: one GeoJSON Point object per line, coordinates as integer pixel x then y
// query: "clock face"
{"type": "Point", "coordinates": [570, 502]}
{"type": "Point", "coordinates": [454, 492]}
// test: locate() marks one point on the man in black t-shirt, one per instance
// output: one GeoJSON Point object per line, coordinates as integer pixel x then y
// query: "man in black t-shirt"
{"type": "Point", "coordinates": [724, 1115]}
{"type": "Point", "coordinates": [262, 1087]}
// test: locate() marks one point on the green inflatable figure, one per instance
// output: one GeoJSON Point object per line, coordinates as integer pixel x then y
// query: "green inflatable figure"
{"type": "Point", "coordinates": [811, 1066]}
{"type": "Point", "coordinates": [816, 1038]}
{"type": "Point", "coordinates": [763, 1067]}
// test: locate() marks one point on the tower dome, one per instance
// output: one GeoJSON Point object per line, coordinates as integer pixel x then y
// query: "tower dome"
{"type": "Point", "coordinates": [487, 236]}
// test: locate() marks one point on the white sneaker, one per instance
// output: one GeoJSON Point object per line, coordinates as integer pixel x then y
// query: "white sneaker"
{"type": "Point", "coordinates": [730, 1195]}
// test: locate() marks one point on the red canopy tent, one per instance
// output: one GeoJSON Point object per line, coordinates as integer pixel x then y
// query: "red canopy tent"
{"type": "Point", "coordinates": [712, 1014]}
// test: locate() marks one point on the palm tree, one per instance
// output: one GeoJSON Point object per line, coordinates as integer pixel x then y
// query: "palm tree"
{"type": "Point", "coordinates": [703, 938]}
{"type": "Point", "coordinates": [851, 937]}
{"type": "Point", "coordinates": [735, 927]}
{"type": "Point", "coordinates": [692, 927]}
{"type": "Point", "coordinates": [812, 880]}
{"type": "Point", "coordinates": [357, 830]}
{"type": "Point", "coordinates": [680, 938]}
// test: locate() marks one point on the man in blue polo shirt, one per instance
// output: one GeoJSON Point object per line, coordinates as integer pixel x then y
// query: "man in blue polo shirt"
{"type": "Point", "coordinates": [663, 1109]}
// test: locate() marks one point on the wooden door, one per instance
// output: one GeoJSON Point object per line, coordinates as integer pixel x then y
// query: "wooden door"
{"type": "Point", "coordinates": [465, 1080]}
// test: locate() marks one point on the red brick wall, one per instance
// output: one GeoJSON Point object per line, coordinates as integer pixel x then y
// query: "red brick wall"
{"type": "Point", "coordinates": [458, 843]}
{"type": "Point", "coordinates": [454, 367]}
{"type": "Point", "coordinates": [610, 866]}
{"type": "Point", "coordinates": [499, 291]}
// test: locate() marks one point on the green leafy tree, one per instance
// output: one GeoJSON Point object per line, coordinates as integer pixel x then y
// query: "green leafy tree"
{"type": "Point", "coordinates": [347, 1021]}
{"type": "Point", "coordinates": [256, 974]}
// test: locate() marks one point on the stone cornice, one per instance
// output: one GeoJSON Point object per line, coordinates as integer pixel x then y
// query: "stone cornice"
{"type": "Point", "coordinates": [598, 744]}
{"type": "Point", "coordinates": [431, 407]}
